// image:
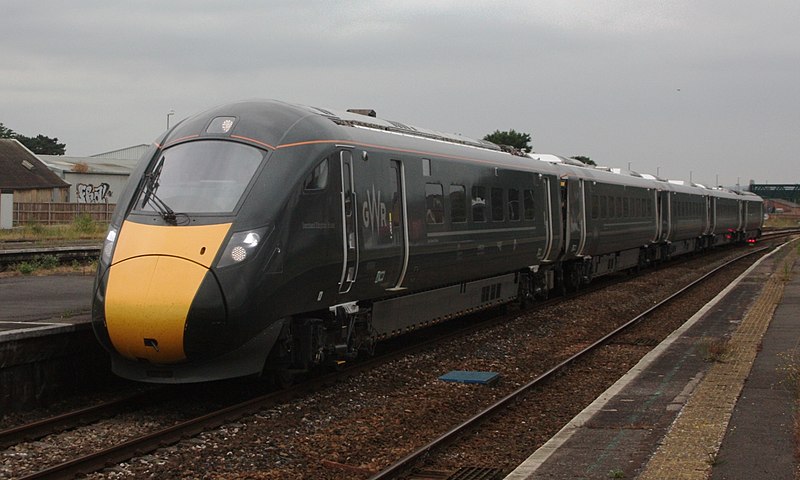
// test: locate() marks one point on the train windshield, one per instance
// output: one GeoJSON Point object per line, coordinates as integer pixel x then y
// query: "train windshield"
{"type": "Point", "coordinates": [199, 177]}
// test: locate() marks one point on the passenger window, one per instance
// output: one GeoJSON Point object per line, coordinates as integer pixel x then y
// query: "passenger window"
{"type": "Point", "coordinates": [434, 204]}
{"type": "Point", "coordinates": [603, 206]}
{"type": "Point", "coordinates": [458, 203]}
{"type": "Point", "coordinates": [513, 205]}
{"type": "Point", "coordinates": [618, 212]}
{"type": "Point", "coordinates": [426, 167]}
{"type": "Point", "coordinates": [478, 204]}
{"type": "Point", "coordinates": [527, 204]}
{"type": "Point", "coordinates": [595, 207]}
{"type": "Point", "coordinates": [318, 178]}
{"type": "Point", "coordinates": [497, 205]}
{"type": "Point", "coordinates": [626, 207]}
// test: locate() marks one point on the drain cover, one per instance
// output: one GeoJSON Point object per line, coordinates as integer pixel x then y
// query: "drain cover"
{"type": "Point", "coordinates": [476, 473]}
{"type": "Point", "coordinates": [462, 376]}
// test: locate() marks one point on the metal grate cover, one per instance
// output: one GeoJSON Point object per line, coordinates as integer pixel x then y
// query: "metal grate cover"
{"type": "Point", "coordinates": [477, 473]}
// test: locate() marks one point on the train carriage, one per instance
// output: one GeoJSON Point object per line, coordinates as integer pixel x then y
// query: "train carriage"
{"type": "Point", "coordinates": [265, 237]}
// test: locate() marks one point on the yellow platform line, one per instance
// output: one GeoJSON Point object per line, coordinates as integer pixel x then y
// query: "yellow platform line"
{"type": "Point", "coordinates": [689, 450]}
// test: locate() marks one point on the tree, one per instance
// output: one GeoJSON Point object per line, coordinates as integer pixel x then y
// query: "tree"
{"type": "Point", "coordinates": [586, 160]}
{"type": "Point", "coordinates": [6, 132]}
{"type": "Point", "coordinates": [40, 144]}
{"type": "Point", "coordinates": [511, 138]}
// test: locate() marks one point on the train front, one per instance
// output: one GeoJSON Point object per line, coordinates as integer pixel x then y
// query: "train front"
{"type": "Point", "coordinates": [178, 260]}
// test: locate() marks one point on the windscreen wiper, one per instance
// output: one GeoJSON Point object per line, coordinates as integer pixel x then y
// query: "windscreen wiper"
{"type": "Point", "coordinates": [150, 197]}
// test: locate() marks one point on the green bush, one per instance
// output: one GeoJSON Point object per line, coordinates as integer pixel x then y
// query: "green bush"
{"type": "Point", "coordinates": [83, 223]}
{"type": "Point", "coordinates": [47, 261]}
{"type": "Point", "coordinates": [26, 268]}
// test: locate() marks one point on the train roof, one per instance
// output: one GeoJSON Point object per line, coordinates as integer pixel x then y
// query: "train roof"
{"type": "Point", "coordinates": [272, 123]}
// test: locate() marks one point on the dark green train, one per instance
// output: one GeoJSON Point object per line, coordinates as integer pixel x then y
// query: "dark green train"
{"type": "Point", "coordinates": [263, 237]}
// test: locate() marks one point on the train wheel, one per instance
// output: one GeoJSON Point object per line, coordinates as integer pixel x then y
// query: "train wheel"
{"type": "Point", "coordinates": [281, 379]}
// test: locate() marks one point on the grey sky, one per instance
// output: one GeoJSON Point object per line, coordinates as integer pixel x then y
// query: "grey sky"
{"type": "Point", "coordinates": [707, 87]}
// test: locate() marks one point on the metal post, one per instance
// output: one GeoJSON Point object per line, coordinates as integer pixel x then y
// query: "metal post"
{"type": "Point", "coordinates": [6, 209]}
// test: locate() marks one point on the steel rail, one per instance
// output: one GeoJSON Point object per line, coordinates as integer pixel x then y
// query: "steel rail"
{"type": "Point", "coordinates": [69, 420]}
{"type": "Point", "coordinates": [404, 464]}
{"type": "Point", "coordinates": [150, 442]}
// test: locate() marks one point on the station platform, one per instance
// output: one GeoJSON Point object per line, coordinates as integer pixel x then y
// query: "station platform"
{"type": "Point", "coordinates": [33, 302]}
{"type": "Point", "coordinates": [694, 408]}
{"type": "Point", "coordinates": [47, 346]}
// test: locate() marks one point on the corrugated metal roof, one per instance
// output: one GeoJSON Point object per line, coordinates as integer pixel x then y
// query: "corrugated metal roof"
{"type": "Point", "coordinates": [127, 153]}
{"type": "Point", "coordinates": [60, 163]}
{"type": "Point", "coordinates": [20, 169]}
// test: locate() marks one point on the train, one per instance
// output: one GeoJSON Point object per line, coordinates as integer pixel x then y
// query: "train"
{"type": "Point", "coordinates": [264, 238]}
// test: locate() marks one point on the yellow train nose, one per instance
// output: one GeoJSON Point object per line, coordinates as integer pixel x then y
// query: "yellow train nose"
{"type": "Point", "coordinates": [155, 275]}
{"type": "Point", "coordinates": [147, 301]}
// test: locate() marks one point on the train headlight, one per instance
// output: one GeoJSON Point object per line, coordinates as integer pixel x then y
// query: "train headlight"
{"type": "Point", "coordinates": [108, 245]}
{"type": "Point", "coordinates": [241, 246]}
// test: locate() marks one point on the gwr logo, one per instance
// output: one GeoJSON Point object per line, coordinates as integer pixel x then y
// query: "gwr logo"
{"type": "Point", "coordinates": [373, 212]}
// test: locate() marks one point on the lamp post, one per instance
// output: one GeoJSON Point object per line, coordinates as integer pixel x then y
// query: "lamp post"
{"type": "Point", "coordinates": [169, 114]}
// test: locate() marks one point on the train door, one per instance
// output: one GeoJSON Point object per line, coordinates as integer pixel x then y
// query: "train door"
{"type": "Point", "coordinates": [712, 215]}
{"type": "Point", "coordinates": [574, 212]}
{"type": "Point", "coordinates": [666, 216]}
{"type": "Point", "coordinates": [349, 225]}
{"type": "Point", "coordinates": [657, 213]}
{"type": "Point", "coordinates": [398, 221]}
{"type": "Point", "coordinates": [549, 222]}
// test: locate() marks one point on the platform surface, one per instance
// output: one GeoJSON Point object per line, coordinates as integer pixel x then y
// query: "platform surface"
{"type": "Point", "coordinates": [34, 303]}
{"type": "Point", "coordinates": [668, 416]}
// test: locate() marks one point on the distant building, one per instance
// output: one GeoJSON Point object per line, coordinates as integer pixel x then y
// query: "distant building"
{"type": "Point", "coordinates": [22, 173]}
{"type": "Point", "coordinates": [128, 153]}
{"type": "Point", "coordinates": [99, 178]}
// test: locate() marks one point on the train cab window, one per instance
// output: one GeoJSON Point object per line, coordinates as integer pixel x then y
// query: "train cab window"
{"type": "Point", "coordinates": [434, 203]}
{"type": "Point", "coordinates": [595, 207]}
{"type": "Point", "coordinates": [458, 204]}
{"type": "Point", "coordinates": [498, 212]}
{"type": "Point", "coordinates": [318, 178]}
{"type": "Point", "coordinates": [478, 204]}
{"type": "Point", "coordinates": [513, 204]}
{"type": "Point", "coordinates": [527, 205]}
{"type": "Point", "coordinates": [426, 167]}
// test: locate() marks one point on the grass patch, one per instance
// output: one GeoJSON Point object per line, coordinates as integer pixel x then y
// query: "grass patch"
{"type": "Point", "coordinates": [82, 228]}
{"type": "Point", "coordinates": [50, 265]}
{"type": "Point", "coordinates": [616, 473]}
{"type": "Point", "coordinates": [42, 262]}
{"type": "Point", "coordinates": [715, 349]}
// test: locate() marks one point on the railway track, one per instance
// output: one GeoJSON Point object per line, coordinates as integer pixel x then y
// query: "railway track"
{"type": "Point", "coordinates": [189, 428]}
{"type": "Point", "coordinates": [403, 468]}
{"type": "Point", "coordinates": [62, 253]}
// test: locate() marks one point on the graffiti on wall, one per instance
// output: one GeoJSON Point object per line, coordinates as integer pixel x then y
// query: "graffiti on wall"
{"type": "Point", "coordinates": [88, 193]}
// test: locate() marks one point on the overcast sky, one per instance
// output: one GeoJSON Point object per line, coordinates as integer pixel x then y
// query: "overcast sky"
{"type": "Point", "coordinates": [685, 87]}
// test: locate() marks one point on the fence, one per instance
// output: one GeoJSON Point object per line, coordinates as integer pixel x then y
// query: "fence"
{"type": "Point", "coordinates": [59, 213]}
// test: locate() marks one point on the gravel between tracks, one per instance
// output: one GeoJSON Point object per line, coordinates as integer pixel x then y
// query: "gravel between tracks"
{"type": "Point", "coordinates": [369, 421]}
